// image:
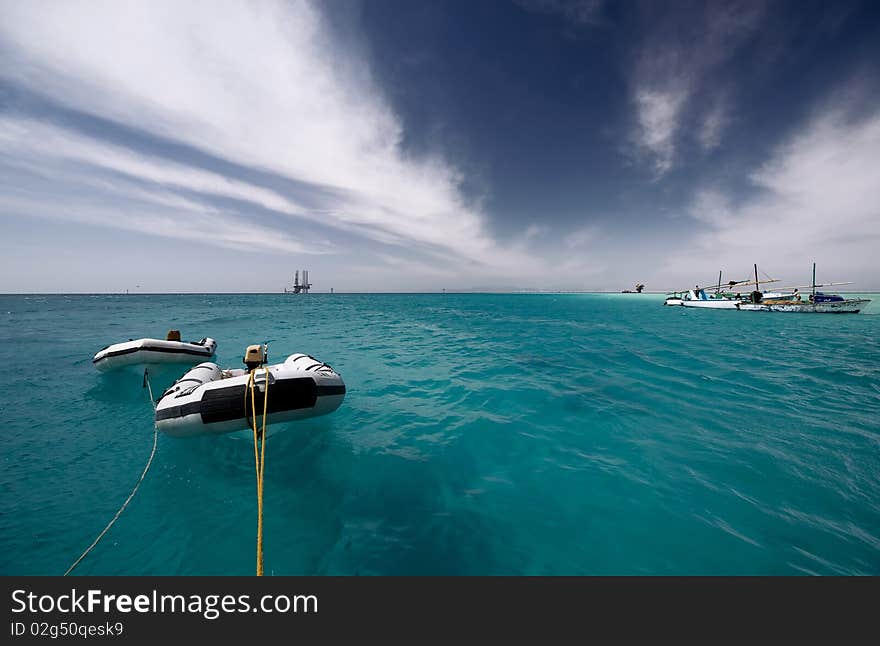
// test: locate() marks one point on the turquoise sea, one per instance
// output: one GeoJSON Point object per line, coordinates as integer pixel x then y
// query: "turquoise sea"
{"type": "Point", "coordinates": [481, 434]}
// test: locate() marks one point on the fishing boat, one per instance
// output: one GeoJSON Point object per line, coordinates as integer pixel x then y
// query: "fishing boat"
{"type": "Point", "coordinates": [719, 296]}
{"type": "Point", "coordinates": [154, 352]}
{"type": "Point", "coordinates": [816, 303]}
{"type": "Point", "coordinates": [699, 298]}
{"type": "Point", "coordinates": [673, 298]}
{"type": "Point", "coordinates": [209, 400]}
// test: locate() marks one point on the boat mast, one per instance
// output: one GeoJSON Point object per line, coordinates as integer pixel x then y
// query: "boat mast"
{"type": "Point", "coordinates": [719, 283]}
{"type": "Point", "coordinates": [756, 278]}
{"type": "Point", "coordinates": [814, 279]}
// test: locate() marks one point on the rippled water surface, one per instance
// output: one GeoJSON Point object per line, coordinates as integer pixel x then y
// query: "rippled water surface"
{"type": "Point", "coordinates": [481, 434]}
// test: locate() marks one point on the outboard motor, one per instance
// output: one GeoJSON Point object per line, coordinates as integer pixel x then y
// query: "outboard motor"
{"type": "Point", "coordinates": [255, 356]}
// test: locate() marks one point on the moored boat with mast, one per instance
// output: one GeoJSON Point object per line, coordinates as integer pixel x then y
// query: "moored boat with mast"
{"type": "Point", "coordinates": [718, 299]}
{"type": "Point", "coordinates": [817, 303]}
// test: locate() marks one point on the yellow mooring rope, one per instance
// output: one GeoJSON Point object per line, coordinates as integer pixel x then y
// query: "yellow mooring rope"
{"type": "Point", "coordinates": [259, 456]}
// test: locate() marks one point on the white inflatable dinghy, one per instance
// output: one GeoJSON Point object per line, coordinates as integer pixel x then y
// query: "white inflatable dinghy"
{"type": "Point", "coordinates": [208, 400]}
{"type": "Point", "coordinates": [153, 352]}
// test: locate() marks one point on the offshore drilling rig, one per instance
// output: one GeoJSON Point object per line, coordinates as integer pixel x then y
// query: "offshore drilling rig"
{"type": "Point", "coordinates": [299, 287]}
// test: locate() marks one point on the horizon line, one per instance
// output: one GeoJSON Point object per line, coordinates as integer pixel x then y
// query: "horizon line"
{"type": "Point", "coordinates": [414, 293]}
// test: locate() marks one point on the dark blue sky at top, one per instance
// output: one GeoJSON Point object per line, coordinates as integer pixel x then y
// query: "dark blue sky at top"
{"type": "Point", "coordinates": [537, 106]}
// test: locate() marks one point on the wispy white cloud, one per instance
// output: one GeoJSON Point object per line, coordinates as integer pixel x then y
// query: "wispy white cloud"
{"type": "Point", "coordinates": [155, 215]}
{"type": "Point", "coordinates": [681, 51]}
{"type": "Point", "coordinates": [262, 85]}
{"type": "Point", "coordinates": [583, 237]}
{"type": "Point", "coordinates": [712, 207]}
{"type": "Point", "coordinates": [658, 114]}
{"type": "Point", "coordinates": [75, 178]}
{"type": "Point", "coordinates": [816, 198]}
{"type": "Point", "coordinates": [715, 120]}
{"type": "Point", "coordinates": [535, 231]}
{"type": "Point", "coordinates": [25, 139]}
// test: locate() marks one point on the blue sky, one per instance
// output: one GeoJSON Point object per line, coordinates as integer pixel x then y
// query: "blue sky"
{"type": "Point", "coordinates": [409, 146]}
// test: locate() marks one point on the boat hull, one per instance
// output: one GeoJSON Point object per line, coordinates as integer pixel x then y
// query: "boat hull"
{"type": "Point", "coordinates": [712, 304]}
{"type": "Point", "coordinates": [207, 400]}
{"type": "Point", "coordinates": [153, 352]}
{"type": "Point", "coordinates": [849, 306]}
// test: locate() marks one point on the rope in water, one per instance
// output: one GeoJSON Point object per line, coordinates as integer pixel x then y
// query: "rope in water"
{"type": "Point", "coordinates": [259, 456]}
{"type": "Point", "coordinates": [133, 491]}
